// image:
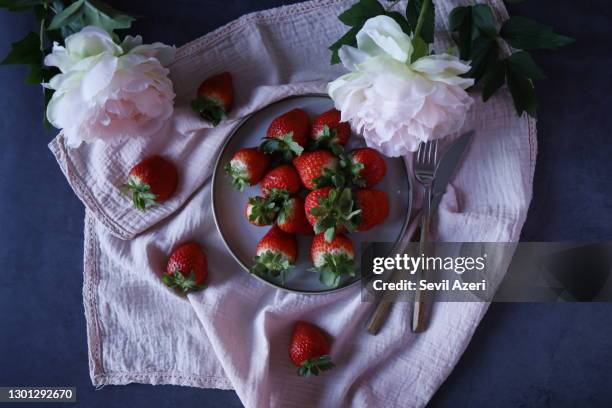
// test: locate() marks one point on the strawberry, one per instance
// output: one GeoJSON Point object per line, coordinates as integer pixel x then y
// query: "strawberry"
{"type": "Point", "coordinates": [309, 349]}
{"type": "Point", "coordinates": [368, 167]}
{"type": "Point", "coordinates": [284, 178]}
{"type": "Point", "coordinates": [327, 129]}
{"type": "Point", "coordinates": [287, 134]}
{"type": "Point", "coordinates": [151, 182]}
{"type": "Point", "coordinates": [262, 211]}
{"type": "Point", "coordinates": [275, 254]}
{"type": "Point", "coordinates": [331, 210]}
{"type": "Point", "coordinates": [374, 207]}
{"type": "Point", "coordinates": [292, 218]}
{"type": "Point", "coordinates": [333, 259]}
{"type": "Point", "coordinates": [247, 167]}
{"type": "Point", "coordinates": [318, 169]}
{"type": "Point", "coordinates": [215, 98]}
{"type": "Point", "coordinates": [187, 268]}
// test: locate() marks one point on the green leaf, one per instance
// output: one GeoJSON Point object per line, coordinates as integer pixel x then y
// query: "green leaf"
{"type": "Point", "coordinates": [90, 12]}
{"type": "Point", "coordinates": [349, 38]}
{"type": "Point", "coordinates": [68, 15]}
{"type": "Point", "coordinates": [25, 51]}
{"type": "Point", "coordinates": [483, 19]}
{"type": "Point", "coordinates": [484, 52]}
{"type": "Point", "coordinates": [527, 34]}
{"type": "Point", "coordinates": [493, 79]}
{"type": "Point", "coordinates": [360, 12]}
{"type": "Point", "coordinates": [102, 15]}
{"type": "Point", "coordinates": [523, 93]}
{"type": "Point", "coordinates": [412, 15]}
{"type": "Point", "coordinates": [329, 234]}
{"type": "Point", "coordinates": [460, 21]}
{"type": "Point", "coordinates": [421, 49]}
{"type": "Point", "coordinates": [457, 17]}
{"type": "Point", "coordinates": [522, 63]}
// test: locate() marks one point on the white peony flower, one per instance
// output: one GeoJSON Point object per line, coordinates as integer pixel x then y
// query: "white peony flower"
{"type": "Point", "coordinates": [394, 103]}
{"type": "Point", "coordinates": [108, 91]}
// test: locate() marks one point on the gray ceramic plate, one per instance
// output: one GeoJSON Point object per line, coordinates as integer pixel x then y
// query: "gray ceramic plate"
{"type": "Point", "coordinates": [241, 237]}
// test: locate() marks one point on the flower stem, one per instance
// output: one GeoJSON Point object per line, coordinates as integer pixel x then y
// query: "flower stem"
{"type": "Point", "coordinates": [421, 20]}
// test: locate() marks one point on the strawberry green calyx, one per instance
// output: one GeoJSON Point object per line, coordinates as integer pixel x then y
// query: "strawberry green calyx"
{"type": "Point", "coordinates": [142, 197]}
{"type": "Point", "coordinates": [210, 109]}
{"type": "Point", "coordinates": [272, 264]}
{"type": "Point", "coordinates": [315, 366]}
{"type": "Point", "coordinates": [336, 210]}
{"type": "Point", "coordinates": [240, 177]}
{"type": "Point", "coordinates": [330, 178]}
{"type": "Point", "coordinates": [356, 179]}
{"type": "Point", "coordinates": [186, 283]}
{"type": "Point", "coordinates": [335, 266]}
{"type": "Point", "coordinates": [264, 209]}
{"type": "Point", "coordinates": [285, 145]}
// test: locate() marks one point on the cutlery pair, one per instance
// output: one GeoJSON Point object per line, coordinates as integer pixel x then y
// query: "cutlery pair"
{"type": "Point", "coordinates": [434, 176]}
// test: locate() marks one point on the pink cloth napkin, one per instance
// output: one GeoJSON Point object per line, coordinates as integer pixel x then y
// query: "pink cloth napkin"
{"type": "Point", "coordinates": [235, 333]}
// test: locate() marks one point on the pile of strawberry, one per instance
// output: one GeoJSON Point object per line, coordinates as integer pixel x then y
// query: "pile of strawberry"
{"type": "Point", "coordinates": [295, 156]}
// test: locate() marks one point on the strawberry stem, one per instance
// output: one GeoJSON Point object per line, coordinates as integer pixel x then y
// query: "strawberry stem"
{"type": "Point", "coordinates": [315, 366]}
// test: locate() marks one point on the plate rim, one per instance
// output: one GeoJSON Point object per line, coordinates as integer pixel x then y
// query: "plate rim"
{"type": "Point", "coordinates": [215, 174]}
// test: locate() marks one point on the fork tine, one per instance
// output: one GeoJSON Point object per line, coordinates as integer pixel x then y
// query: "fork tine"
{"type": "Point", "coordinates": [430, 153]}
{"type": "Point", "coordinates": [435, 158]}
{"type": "Point", "coordinates": [420, 152]}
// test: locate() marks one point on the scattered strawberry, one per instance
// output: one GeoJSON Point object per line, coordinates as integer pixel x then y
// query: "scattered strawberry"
{"type": "Point", "coordinates": [247, 167]}
{"type": "Point", "coordinates": [287, 134]}
{"type": "Point", "coordinates": [284, 178]}
{"type": "Point", "coordinates": [275, 253]}
{"type": "Point", "coordinates": [327, 128]}
{"type": "Point", "coordinates": [374, 207]}
{"type": "Point", "coordinates": [292, 218]}
{"type": "Point", "coordinates": [318, 169]}
{"type": "Point", "coordinates": [309, 349]}
{"type": "Point", "coordinates": [331, 211]}
{"type": "Point", "coordinates": [368, 167]}
{"type": "Point", "coordinates": [187, 268]}
{"type": "Point", "coordinates": [151, 182]}
{"type": "Point", "coordinates": [333, 259]}
{"type": "Point", "coordinates": [215, 98]}
{"type": "Point", "coordinates": [262, 211]}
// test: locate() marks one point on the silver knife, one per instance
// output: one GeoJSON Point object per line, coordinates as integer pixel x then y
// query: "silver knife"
{"type": "Point", "coordinates": [447, 166]}
{"type": "Point", "coordinates": [443, 175]}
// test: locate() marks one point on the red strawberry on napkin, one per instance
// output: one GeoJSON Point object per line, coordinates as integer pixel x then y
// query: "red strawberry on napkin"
{"type": "Point", "coordinates": [187, 268]}
{"type": "Point", "coordinates": [215, 98]}
{"type": "Point", "coordinates": [309, 350]}
{"type": "Point", "coordinates": [150, 182]}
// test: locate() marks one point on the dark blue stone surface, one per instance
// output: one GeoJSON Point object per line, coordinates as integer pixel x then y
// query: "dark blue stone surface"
{"type": "Point", "coordinates": [523, 355]}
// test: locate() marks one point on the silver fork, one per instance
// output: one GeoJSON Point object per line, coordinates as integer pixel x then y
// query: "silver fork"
{"type": "Point", "coordinates": [424, 170]}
